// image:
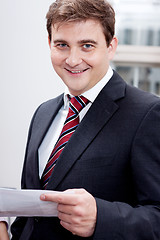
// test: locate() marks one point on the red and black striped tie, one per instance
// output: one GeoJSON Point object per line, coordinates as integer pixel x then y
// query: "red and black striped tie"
{"type": "Point", "coordinates": [75, 106]}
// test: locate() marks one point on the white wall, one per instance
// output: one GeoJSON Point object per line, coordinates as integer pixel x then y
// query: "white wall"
{"type": "Point", "coordinates": [26, 79]}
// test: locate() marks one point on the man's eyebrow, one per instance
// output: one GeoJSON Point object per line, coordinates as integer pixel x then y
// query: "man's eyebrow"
{"type": "Point", "coordinates": [87, 41]}
{"type": "Point", "coordinates": [84, 41]}
{"type": "Point", "coordinates": [59, 41]}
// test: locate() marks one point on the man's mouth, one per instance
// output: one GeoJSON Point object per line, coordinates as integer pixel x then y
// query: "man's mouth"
{"type": "Point", "coordinates": [76, 71]}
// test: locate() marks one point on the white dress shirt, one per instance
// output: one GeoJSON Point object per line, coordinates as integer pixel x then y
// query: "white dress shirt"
{"type": "Point", "coordinates": [55, 129]}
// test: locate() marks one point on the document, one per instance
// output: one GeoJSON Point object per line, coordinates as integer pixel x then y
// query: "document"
{"type": "Point", "coordinates": [25, 203]}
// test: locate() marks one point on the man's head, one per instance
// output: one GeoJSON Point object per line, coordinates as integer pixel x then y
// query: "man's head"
{"type": "Point", "coordinates": [82, 42]}
{"type": "Point", "coordinates": [62, 11]}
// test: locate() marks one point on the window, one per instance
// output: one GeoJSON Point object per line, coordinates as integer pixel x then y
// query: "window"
{"type": "Point", "coordinates": [138, 55]}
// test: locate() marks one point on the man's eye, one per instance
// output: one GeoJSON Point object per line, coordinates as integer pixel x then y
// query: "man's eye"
{"type": "Point", "coordinates": [87, 46]}
{"type": "Point", "coordinates": [61, 45]}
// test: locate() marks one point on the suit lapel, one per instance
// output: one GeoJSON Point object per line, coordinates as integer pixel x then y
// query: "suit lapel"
{"type": "Point", "coordinates": [98, 115]}
{"type": "Point", "coordinates": [41, 123]}
{"type": "Point", "coordinates": [49, 114]}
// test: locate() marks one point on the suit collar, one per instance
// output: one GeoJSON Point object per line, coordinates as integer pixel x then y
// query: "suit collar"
{"type": "Point", "coordinates": [103, 108]}
{"type": "Point", "coordinates": [115, 88]}
{"type": "Point", "coordinates": [49, 112]}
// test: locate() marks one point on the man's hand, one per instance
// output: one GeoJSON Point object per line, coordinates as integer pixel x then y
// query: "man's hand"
{"type": "Point", "coordinates": [77, 212]}
{"type": "Point", "coordinates": [3, 231]}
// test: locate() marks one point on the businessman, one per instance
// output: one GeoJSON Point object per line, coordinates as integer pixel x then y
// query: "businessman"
{"type": "Point", "coordinates": [99, 141]}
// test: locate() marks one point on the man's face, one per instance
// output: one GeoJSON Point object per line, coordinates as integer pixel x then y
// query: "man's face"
{"type": "Point", "coordinates": [79, 54]}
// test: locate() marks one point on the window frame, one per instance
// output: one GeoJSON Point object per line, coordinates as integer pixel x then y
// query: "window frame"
{"type": "Point", "coordinates": [133, 55]}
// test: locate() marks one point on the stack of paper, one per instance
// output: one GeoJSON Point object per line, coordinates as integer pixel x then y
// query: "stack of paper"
{"type": "Point", "coordinates": [25, 203]}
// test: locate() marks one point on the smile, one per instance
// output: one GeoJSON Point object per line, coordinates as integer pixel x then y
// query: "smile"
{"type": "Point", "coordinates": [76, 71]}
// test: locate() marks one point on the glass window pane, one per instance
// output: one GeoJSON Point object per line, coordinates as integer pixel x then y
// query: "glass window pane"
{"type": "Point", "coordinates": [145, 78]}
{"type": "Point", "coordinates": [137, 21]}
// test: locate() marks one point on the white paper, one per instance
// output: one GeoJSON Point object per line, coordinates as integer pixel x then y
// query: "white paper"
{"type": "Point", "coordinates": [25, 203]}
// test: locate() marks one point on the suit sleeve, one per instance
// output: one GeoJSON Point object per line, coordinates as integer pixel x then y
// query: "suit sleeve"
{"type": "Point", "coordinates": [118, 220]}
{"type": "Point", "coordinates": [19, 223]}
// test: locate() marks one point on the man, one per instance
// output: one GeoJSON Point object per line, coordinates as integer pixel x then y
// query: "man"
{"type": "Point", "coordinates": [110, 165]}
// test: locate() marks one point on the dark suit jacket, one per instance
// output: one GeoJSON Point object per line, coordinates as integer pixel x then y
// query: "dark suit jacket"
{"type": "Point", "coordinates": [114, 154]}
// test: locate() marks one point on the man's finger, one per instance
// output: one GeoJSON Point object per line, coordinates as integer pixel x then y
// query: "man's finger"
{"type": "Point", "coordinates": [67, 197]}
{"type": "Point", "coordinates": [59, 198]}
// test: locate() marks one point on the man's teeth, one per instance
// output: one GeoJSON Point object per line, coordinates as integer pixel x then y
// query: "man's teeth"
{"type": "Point", "coordinates": [76, 71]}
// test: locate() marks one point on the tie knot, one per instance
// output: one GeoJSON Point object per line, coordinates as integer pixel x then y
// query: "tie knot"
{"type": "Point", "coordinates": [78, 103]}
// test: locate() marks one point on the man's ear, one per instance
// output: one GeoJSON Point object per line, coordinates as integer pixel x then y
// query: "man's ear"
{"type": "Point", "coordinates": [112, 48]}
{"type": "Point", "coordinates": [49, 42]}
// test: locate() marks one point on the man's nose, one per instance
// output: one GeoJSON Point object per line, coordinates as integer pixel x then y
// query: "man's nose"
{"type": "Point", "coordinates": [74, 58]}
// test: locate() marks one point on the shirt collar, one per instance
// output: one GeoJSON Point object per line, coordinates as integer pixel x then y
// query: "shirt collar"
{"type": "Point", "coordinates": [92, 93]}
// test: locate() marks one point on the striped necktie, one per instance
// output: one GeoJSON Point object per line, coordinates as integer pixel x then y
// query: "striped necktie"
{"type": "Point", "coordinates": [75, 106]}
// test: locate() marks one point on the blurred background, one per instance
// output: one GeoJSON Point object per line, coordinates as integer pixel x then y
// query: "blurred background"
{"type": "Point", "coordinates": [138, 31]}
{"type": "Point", "coordinates": [27, 78]}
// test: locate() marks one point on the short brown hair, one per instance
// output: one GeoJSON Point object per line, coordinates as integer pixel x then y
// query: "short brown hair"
{"type": "Point", "coordinates": [78, 10]}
